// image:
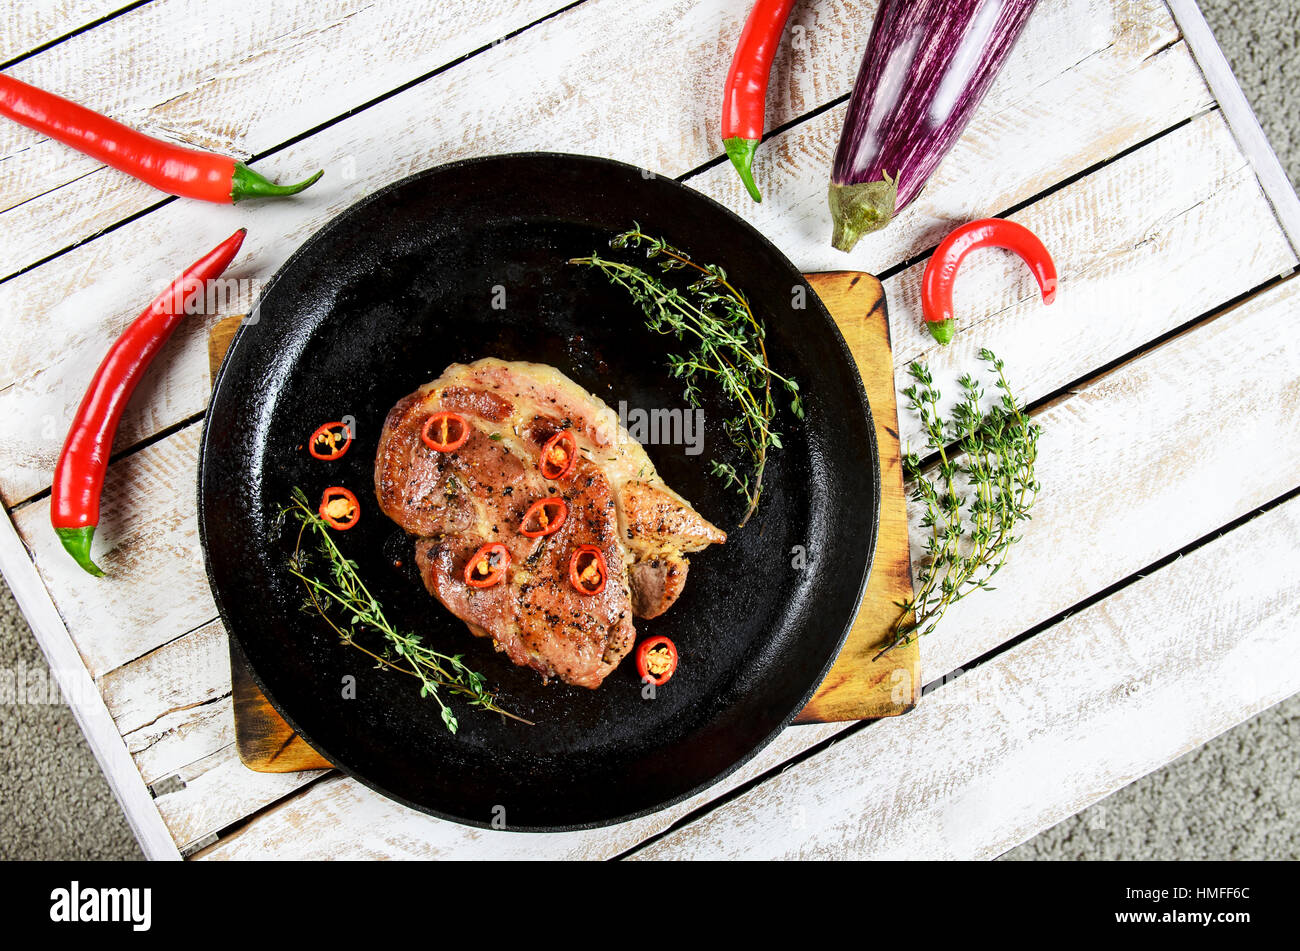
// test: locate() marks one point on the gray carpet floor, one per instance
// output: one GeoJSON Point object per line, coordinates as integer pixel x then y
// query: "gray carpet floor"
{"type": "Point", "coordinates": [1233, 798]}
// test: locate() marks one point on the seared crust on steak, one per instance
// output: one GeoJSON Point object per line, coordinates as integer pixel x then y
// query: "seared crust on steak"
{"type": "Point", "coordinates": [458, 501]}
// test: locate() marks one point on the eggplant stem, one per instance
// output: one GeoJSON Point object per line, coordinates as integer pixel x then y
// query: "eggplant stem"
{"type": "Point", "coordinates": [860, 209]}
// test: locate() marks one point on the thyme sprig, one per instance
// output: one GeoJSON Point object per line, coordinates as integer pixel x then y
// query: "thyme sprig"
{"type": "Point", "coordinates": [345, 591]}
{"type": "Point", "coordinates": [973, 500]}
{"type": "Point", "coordinates": [726, 344]}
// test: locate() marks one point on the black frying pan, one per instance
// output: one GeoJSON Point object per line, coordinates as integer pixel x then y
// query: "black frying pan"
{"type": "Point", "coordinates": [380, 301]}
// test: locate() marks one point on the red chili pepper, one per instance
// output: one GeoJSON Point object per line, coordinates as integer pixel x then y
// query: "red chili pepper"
{"type": "Point", "coordinates": [189, 173]}
{"type": "Point", "coordinates": [559, 454]}
{"type": "Point", "coordinates": [936, 285]}
{"type": "Point", "coordinates": [656, 660]}
{"type": "Point", "coordinates": [587, 570]}
{"type": "Point", "coordinates": [325, 436]}
{"type": "Point", "coordinates": [547, 523]}
{"type": "Point", "coordinates": [487, 566]}
{"type": "Point", "coordinates": [438, 431]}
{"type": "Point", "coordinates": [744, 98]}
{"type": "Point", "coordinates": [340, 508]}
{"type": "Point", "coordinates": [79, 473]}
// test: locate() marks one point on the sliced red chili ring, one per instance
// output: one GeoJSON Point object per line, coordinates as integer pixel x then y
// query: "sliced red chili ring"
{"type": "Point", "coordinates": [445, 431]}
{"type": "Point", "coordinates": [325, 435]}
{"type": "Point", "coordinates": [587, 570]}
{"type": "Point", "coordinates": [656, 660]}
{"type": "Point", "coordinates": [339, 508]}
{"type": "Point", "coordinates": [487, 566]}
{"type": "Point", "coordinates": [547, 515]}
{"type": "Point", "coordinates": [559, 454]}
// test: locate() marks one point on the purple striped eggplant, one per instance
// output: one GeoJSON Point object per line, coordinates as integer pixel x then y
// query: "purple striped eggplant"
{"type": "Point", "coordinates": [927, 66]}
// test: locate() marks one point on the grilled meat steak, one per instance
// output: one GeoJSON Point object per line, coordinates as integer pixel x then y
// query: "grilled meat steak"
{"type": "Point", "coordinates": [457, 501]}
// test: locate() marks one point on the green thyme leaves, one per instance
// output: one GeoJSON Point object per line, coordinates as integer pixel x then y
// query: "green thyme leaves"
{"type": "Point", "coordinates": [725, 344]}
{"type": "Point", "coordinates": [973, 499]}
{"type": "Point", "coordinates": [334, 587]}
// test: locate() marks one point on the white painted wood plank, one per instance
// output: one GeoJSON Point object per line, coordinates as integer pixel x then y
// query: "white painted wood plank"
{"type": "Point", "coordinates": [1218, 74]}
{"type": "Point", "coordinates": [154, 479]}
{"type": "Point", "coordinates": [1046, 729]}
{"type": "Point", "coordinates": [174, 709]}
{"type": "Point", "coordinates": [338, 818]}
{"type": "Point", "coordinates": [29, 25]}
{"type": "Point", "coordinates": [1142, 462]}
{"type": "Point", "coordinates": [1153, 232]}
{"type": "Point", "coordinates": [156, 588]}
{"type": "Point", "coordinates": [1110, 101]}
{"type": "Point", "coordinates": [1155, 481]}
{"type": "Point", "coordinates": [82, 697]}
{"type": "Point", "coordinates": [96, 288]}
{"type": "Point", "coordinates": [181, 738]}
{"type": "Point", "coordinates": [162, 683]}
{"type": "Point", "coordinates": [200, 824]}
{"type": "Point", "coordinates": [219, 789]}
{"type": "Point", "coordinates": [1150, 265]}
{"type": "Point", "coordinates": [238, 77]}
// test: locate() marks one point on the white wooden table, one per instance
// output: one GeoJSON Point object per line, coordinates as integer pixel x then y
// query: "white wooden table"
{"type": "Point", "coordinates": [1151, 605]}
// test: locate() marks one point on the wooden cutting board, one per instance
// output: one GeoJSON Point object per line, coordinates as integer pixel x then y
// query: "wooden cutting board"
{"type": "Point", "coordinates": [858, 687]}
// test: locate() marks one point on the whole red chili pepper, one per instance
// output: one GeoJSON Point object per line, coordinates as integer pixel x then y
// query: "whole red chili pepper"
{"type": "Point", "coordinates": [79, 473]}
{"type": "Point", "coordinates": [744, 98]}
{"type": "Point", "coordinates": [189, 173]}
{"type": "Point", "coordinates": [941, 272]}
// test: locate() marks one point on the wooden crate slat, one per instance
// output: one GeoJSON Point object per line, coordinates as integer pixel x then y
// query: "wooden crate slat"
{"type": "Point", "coordinates": [1006, 156]}
{"type": "Point", "coordinates": [96, 288]}
{"type": "Point", "coordinates": [32, 25]}
{"type": "Point", "coordinates": [218, 790]}
{"type": "Point", "coordinates": [163, 682]}
{"type": "Point", "coordinates": [1047, 729]}
{"type": "Point", "coordinates": [1149, 236]}
{"type": "Point", "coordinates": [249, 78]}
{"type": "Point", "coordinates": [1141, 495]}
{"type": "Point", "coordinates": [150, 529]}
{"type": "Point", "coordinates": [172, 703]}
